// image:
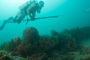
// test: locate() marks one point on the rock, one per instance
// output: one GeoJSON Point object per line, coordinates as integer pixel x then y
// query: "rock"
{"type": "Point", "coordinates": [16, 39]}
{"type": "Point", "coordinates": [72, 55]}
{"type": "Point", "coordinates": [31, 35]}
{"type": "Point", "coordinates": [82, 57]}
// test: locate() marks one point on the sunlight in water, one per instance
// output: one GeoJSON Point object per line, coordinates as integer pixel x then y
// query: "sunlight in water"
{"type": "Point", "coordinates": [16, 1]}
{"type": "Point", "coordinates": [19, 1]}
{"type": "Point", "coordinates": [22, 1]}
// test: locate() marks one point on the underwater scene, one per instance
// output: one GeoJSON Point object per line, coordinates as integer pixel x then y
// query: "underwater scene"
{"type": "Point", "coordinates": [44, 29]}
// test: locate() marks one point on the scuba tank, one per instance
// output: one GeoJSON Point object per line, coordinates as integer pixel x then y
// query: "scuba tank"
{"type": "Point", "coordinates": [24, 6]}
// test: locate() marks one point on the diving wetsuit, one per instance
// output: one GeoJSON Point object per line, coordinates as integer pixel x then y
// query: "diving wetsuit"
{"type": "Point", "coordinates": [19, 17]}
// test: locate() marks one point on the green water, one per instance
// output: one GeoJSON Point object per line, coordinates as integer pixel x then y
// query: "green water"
{"type": "Point", "coordinates": [70, 13]}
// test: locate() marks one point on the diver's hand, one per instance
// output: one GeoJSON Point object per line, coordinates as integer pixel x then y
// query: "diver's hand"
{"type": "Point", "coordinates": [32, 19]}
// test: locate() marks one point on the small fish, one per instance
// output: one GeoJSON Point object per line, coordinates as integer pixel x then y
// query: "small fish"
{"type": "Point", "coordinates": [86, 10]}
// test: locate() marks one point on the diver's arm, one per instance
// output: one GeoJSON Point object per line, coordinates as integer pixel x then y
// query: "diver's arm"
{"type": "Point", "coordinates": [29, 8]}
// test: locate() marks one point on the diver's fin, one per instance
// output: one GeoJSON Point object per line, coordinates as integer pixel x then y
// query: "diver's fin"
{"type": "Point", "coordinates": [5, 22]}
{"type": "Point", "coordinates": [10, 20]}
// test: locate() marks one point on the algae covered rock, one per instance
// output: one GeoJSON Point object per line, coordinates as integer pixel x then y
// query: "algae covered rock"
{"type": "Point", "coordinates": [11, 46]}
{"type": "Point", "coordinates": [16, 39]}
{"type": "Point", "coordinates": [6, 58]}
{"type": "Point", "coordinates": [31, 35]}
{"type": "Point", "coordinates": [29, 44]}
{"type": "Point", "coordinates": [18, 58]}
{"type": "Point", "coordinates": [82, 57]}
{"type": "Point", "coordinates": [54, 33]}
{"type": "Point", "coordinates": [47, 43]}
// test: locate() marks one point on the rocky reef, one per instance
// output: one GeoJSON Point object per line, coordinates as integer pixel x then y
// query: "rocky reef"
{"type": "Point", "coordinates": [59, 46]}
{"type": "Point", "coordinates": [30, 35]}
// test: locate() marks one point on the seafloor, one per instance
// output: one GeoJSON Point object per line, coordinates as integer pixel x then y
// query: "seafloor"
{"type": "Point", "coordinates": [66, 45]}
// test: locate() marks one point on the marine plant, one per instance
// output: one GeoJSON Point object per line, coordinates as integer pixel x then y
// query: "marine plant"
{"type": "Point", "coordinates": [6, 58]}
{"type": "Point", "coordinates": [80, 33]}
{"type": "Point", "coordinates": [23, 59]}
{"type": "Point", "coordinates": [10, 47]}
{"type": "Point", "coordinates": [54, 33]}
{"type": "Point", "coordinates": [47, 43]}
{"type": "Point", "coordinates": [57, 46]}
{"type": "Point", "coordinates": [66, 42]}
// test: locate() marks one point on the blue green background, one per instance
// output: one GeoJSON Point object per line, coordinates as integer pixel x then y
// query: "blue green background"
{"type": "Point", "coordinates": [71, 15]}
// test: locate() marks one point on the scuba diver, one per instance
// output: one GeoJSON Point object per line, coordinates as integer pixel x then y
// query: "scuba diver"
{"type": "Point", "coordinates": [30, 8]}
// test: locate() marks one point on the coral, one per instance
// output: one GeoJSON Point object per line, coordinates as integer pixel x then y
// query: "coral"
{"type": "Point", "coordinates": [11, 46]}
{"type": "Point", "coordinates": [54, 33]}
{"type": "Point", "coordinates": [2, 46]}
{"type": "Point", "coordinates": [82, 57]}
{"type": "Point", "coordinates": [85, 50]}
{"type": "Point", "coordinates": [6, 58]}
{"type": "Point", "coordinates": [20, 50]}
{"type": "Point", "coordinates": [29, 43]}
{"type": "Point", "coordinates": [47, 43]}
{"type": "Point", "coordinates": [80, 33]}
{"type": "Point", "coordinates": [72, 55]}
{"type": "Point", "coordinates": [66, 43]}
{"type": "Point", "coordinates": [28, 58]}
{"type": "Point", "coordinates": [30, 35]}
{"type": "Point", "coordinates": [58, 46]}
{"type": "Point", "coordinates": [1, 53]}
{"type": "Point", "coordinates": [16, 39]}
{"type": "Point", "coordinates": [26, 50]}
{"type": "Point", "coordinates": [38, 56]}
{"type": "Point", "coordinates": [18, 58]}
{"type": "Point", "coordinates": [23, 59]}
